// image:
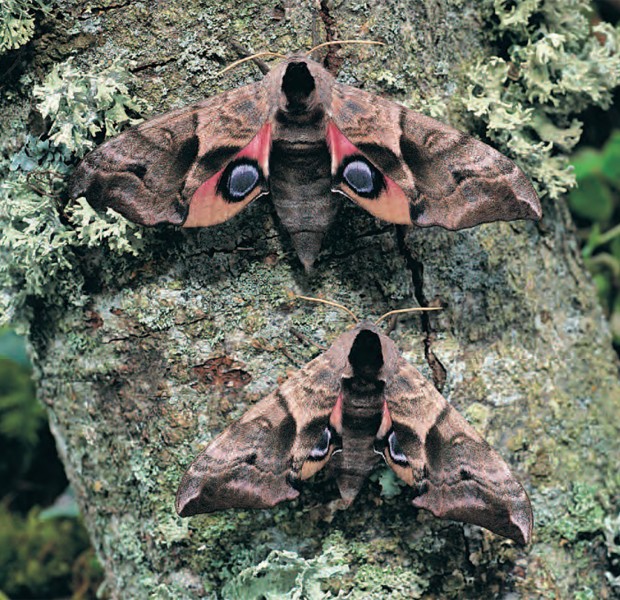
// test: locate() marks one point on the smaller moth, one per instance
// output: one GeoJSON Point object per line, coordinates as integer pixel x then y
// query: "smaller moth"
{"type": "Point", "coordinates": [358, 402]}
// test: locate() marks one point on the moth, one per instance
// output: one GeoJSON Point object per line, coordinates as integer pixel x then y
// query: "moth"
{"type": "Point", "coordinates": [345, 410]}
{"type": "Point", "coordinates": [307, 141]}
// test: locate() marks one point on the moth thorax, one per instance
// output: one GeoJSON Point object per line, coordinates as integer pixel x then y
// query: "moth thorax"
{"type": "Point", "coordinates": [298, 87]}
{"type": "Point", "coordinates": [366, 356]}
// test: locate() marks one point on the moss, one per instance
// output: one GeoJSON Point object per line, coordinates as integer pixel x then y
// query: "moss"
{"type": "Point", "coordinates": [42, 557]}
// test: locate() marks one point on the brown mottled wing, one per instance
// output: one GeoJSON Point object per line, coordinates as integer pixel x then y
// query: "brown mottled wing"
{"type": "Point", "coordinates": [151, 172]}
{"type": "Point", "coordinates": [455, 473]}
{"type": "Point", "coordinates": [448, 178]}
{"type": "Point", "coordinates": [257, 461]}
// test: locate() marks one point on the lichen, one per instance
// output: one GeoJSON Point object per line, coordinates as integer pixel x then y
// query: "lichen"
{"type": "Point", "coordinates": [38, 239]}
{"type": "Point", "coordinates": [556, 64]}
{"type": "Point", "coordinates": [288, 576]}
{"type": "Point", "coordinates": [17, 22]}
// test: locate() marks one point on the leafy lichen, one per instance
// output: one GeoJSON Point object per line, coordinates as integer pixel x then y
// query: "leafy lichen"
{"type": "Point", "coordinates": [17, 22]}
{"type": "Point", "coordinates": [286, 575]}
{"type": "Point", "coordinates": [38, 240]}
{"type": "Point", "coordinates": [556, 64]}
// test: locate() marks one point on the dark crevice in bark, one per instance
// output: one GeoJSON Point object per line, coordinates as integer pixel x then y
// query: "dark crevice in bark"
{"type": "Point", "coordinates": [134, 336]}
{"type": "Point", "coordinates": [332, 62]}
{"type": "Point", "coordinates": [416, 268]}
{"type": "Point", "coordinates": [87, 14]}
{"type": "Point", "coordinates": [152, 65]}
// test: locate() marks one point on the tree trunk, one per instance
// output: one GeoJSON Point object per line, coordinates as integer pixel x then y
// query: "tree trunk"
{"type": "Point", "coordinates": [175, 345]}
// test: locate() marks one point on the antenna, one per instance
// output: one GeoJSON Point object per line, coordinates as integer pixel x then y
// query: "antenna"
{"type": "Point", "coordinates": [407, 310]}
{"type": "Point", "coordinates": [341, 42]}
{"type": "Point", "coordinates": [242, 60]}
{"type": "Point", "coordinates": [330, 303]}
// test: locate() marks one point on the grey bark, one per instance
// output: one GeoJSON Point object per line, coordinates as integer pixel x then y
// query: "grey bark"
{"type": "Point", "coordinates": [176, 344]}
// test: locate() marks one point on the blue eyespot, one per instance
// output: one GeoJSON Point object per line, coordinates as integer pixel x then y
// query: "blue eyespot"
{"type": "Point", "coordinates": [396, 452]}
{"type": "Point", "coordinates": [242, 180]}
{"type": "Point", "coordinates": [322, 447]}
{"type": "Point", "coordinates": [359, 176]}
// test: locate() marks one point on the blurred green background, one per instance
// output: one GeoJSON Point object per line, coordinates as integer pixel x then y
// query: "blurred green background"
{"type": "Point", "coordinates": [595, 204]}
{"type": "Point", "coordinates": [44, 548]}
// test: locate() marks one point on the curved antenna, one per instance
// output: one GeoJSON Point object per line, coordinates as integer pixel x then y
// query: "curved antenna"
{"type": "Point", "coordinates": [330, 303]}
{"type": "Point", "coordinates": [335, 42]}
{"type": "Point", "coordinates": [407, 310]}
{"type": "Point", "coordinates": [242, 60]}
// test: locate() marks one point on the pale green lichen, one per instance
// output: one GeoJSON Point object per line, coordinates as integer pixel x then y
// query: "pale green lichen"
{"type": "Point", "coordinates": [556, 65]}
{"type": "Point", "coordinates": [38, 240]}
{"type": "Point", "coordinates": [17, 22]}
{"type": "Point", "coordinates": [288, 576]}
{"type": "Point", "coordinates": [81, 105]}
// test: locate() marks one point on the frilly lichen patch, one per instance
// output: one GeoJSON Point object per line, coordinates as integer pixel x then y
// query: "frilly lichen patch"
{"type": "Point", "coordinates": [286, 575]}
{"type": "Point", "coordinates": [17, 22]}
{"type": "Point", "coordinates": [557, 63]}
{"type": "Point", "coordinates": [39, 237]}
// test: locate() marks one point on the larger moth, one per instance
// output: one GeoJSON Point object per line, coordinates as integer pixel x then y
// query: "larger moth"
{"type": "Point", "coordinates": [357, 403]}
{"type": "Point", "coordinates": [307, 141]}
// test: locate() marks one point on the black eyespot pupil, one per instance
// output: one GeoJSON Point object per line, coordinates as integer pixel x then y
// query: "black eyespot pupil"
{"type": "Point", "coordinates": [359, 176]}
{"type": "Point", "coordinates": [322, 446]}
{"type": "Point", "coordinates": [396, 452]}
{"type": "Point", "coordinates": [242, 180]}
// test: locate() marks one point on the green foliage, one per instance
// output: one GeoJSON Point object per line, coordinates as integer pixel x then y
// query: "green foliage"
{"type": "Point", "coordinates": [45, 558]}
{"type": "Point", "coordinates": [556, 64]}
{"type": "Point", "coordinates": [37, 239]}
{"type": "Point", "coordinates": [13, 346]}
{"type": "Point", "coordinates": [20, 413]}
{"type": "Point", "coordinates": [17, 22]}
{"type": "Point", "coordinates": [45, 554]}
{"type": "Point", "coordinates": [21, 417]}
{"type": "Point", "coordinates": [596, 202]}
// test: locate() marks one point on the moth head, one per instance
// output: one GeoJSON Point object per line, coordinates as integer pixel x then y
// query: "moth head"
{"type": "Point", "coordinates": [370, 354]}
{"type": "Point", "coordinates": [301, 88]}
{"type": "Point", "coordinates": [366, 355]}
{"type": "Point", "coordinates": [298, 86]}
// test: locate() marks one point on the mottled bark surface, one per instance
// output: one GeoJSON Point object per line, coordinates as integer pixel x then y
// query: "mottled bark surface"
{"type": "Point", "coordinates": [175, 344]}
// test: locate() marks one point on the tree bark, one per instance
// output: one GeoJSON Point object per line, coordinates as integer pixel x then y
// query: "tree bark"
{"type": "Point", "coordinates": [175, 345]}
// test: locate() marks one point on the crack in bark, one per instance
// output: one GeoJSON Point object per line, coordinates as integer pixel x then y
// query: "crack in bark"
{"type": "Point", "coordinates": [152, 65]}
{"type": "Point", "coordinates": [416, 269]}
{"type": "Point", "coordinates": [332, 62]}
{"type": "Point", "coordinates": [88, 13]}
{"type": "Point", "coordinates": [130, 336]}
